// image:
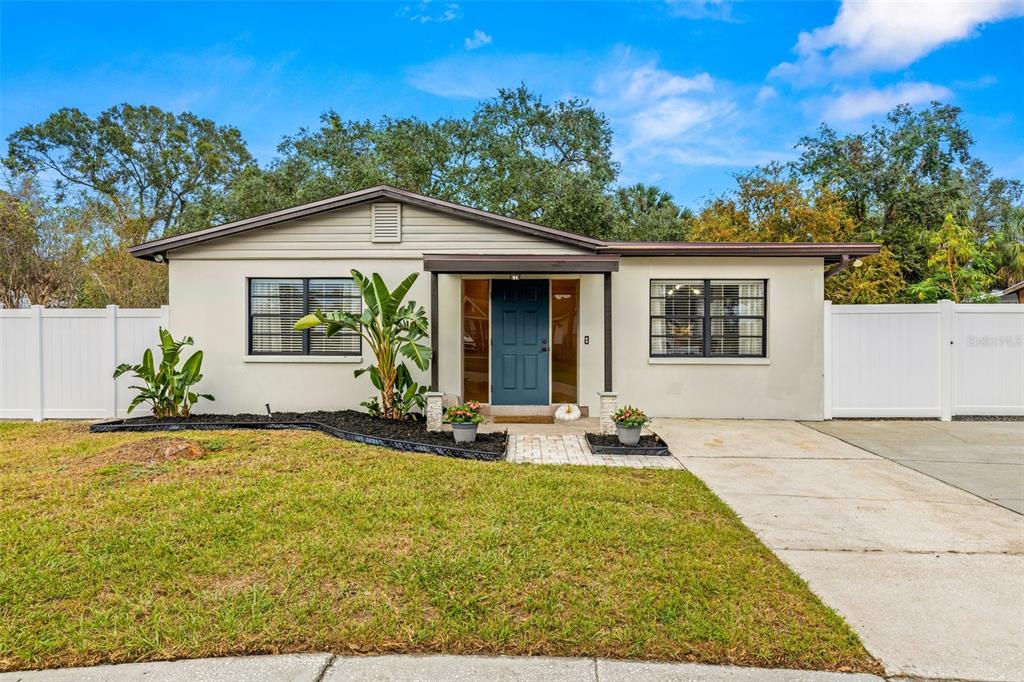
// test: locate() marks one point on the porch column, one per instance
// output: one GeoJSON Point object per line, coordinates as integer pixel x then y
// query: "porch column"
{"type": "Point", "coordinates": [435, 410]}
{"type": "Point", "coordinates": [607, 332]}
{"type": "Point", "coordinates": [434, 332]}
{"type": "Point", "coordinates": [609, 399]}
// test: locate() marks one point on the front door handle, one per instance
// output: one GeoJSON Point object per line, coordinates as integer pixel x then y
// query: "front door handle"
{"type": "Point", "coordinates": [544, 349]}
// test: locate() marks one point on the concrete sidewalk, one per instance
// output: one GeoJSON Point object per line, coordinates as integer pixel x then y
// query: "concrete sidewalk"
{"type": "Point", "coordinates": [328, 668]}
{"type": "Point", "coordinates": [931, 577]}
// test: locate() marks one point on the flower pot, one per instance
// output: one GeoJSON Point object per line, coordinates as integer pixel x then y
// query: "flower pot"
{"type": "Point", "coordinates": [628, 435]}
{"type": "Point", "coordinates": [464, 433]}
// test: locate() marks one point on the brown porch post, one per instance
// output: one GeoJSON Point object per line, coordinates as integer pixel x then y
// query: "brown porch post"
{"type": "Point", "coordinates": [609, 400]}
{"type": "Point", "coordinates": [434, 410]}
{"type": "Point", "coordinates": [433, 332]}
{"type": "Point", "coordinates": [608, 332]}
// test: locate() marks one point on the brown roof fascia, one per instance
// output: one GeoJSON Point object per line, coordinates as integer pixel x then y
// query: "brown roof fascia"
{"type": "Point", "coordinates": [517, 263]}
{"type": "Point", "coordinates": [831, 252]}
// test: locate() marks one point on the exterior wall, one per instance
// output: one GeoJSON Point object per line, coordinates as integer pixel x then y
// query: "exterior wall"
{"type": "Point", "coordinates": [208, 301]}
{"type": "Point", "coordinates": [788, 384]}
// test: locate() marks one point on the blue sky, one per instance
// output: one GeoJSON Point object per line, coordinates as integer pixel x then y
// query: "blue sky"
{"type": "Point", "coordinates": [695, 91]}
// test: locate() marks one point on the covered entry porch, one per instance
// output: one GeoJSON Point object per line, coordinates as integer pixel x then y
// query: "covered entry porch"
{"type": "Point", "coordinates": [528, 333]}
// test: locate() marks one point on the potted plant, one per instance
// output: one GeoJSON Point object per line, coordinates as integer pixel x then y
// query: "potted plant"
{"type": "Point", "coordinates": [464, 420]}
{"type": "Point", "coordinates": [629, 422]}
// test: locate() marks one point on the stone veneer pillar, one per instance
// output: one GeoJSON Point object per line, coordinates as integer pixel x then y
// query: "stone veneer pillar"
{"type": "Point", "coordinates": [435, 411]}
{"type": "Point", "coordinates": [609, 404]}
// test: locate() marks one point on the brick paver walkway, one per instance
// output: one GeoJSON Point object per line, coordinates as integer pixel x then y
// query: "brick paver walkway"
{"type": "Point", "coordinates": [573, 449]}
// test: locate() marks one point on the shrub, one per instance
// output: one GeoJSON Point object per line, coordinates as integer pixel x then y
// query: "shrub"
{"type": "Point", "coordinates": [630, 416]}
{"type": "Point", "coordinates": [168, 390]}
{"type": "Point", "coordinates": [390, 329]}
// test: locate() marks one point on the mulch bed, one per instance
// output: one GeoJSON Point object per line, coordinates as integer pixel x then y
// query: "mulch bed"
{"type": "Point", "coordinates": [410, 435]}
{"type": "Point", "coordinates": [601, 444]}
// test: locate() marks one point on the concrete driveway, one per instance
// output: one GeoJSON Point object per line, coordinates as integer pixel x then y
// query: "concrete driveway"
{"type": "Point", "coordinates": [984, 458]}
{"type": "Point", "coordinates": [930, 576]}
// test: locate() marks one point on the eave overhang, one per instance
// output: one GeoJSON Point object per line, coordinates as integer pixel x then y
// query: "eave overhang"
{"type": "Point", "coordinates": [519, 264]}
{"type": "Point", "coordinates": [831, 252]}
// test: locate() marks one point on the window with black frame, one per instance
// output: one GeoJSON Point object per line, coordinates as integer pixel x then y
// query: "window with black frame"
{"type": "Point", "coordinates": [276, 304]}
{"type": "Point", "coordinates": [707, 318]}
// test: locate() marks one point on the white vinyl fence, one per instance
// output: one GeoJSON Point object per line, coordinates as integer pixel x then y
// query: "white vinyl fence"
{"type": "Point", "coordinates": [57, 363]}
{"type": "Point", "coordinates": [924, 360]}
{"type": "Point", "coordinates": [927, 360]}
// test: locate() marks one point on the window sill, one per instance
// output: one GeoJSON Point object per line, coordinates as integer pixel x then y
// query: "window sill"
{"type": "Point", "coordinates": [304, 359]}
{"type": "Point", "coordinates": [709, 361]}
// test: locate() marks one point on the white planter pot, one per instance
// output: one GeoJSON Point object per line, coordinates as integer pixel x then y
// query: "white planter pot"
{"type": "Point", "coordinates": [628, 435]}
{"type": "Point", "coordinates": [464, 433]}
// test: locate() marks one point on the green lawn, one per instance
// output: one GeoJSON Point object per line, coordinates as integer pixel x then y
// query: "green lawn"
{"type": "Point", "coordinates": [294, 541]}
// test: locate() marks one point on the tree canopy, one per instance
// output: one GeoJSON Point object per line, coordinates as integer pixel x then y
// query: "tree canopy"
{"type": "Point", "coordinates": [137, 172]}
{"type": "Point", "coordinates": [143, 164]}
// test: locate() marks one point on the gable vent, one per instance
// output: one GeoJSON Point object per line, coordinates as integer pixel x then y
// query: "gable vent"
{"type": "Point", "coordinates": [386, 223]}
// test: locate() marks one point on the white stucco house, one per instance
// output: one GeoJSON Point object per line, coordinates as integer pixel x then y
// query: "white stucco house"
{"type": "Point", "coordinates": [523, 316]}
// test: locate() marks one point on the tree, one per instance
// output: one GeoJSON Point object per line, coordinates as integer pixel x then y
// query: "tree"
{"type": "Point", "coordinates": [770, 205]}
{"type": "Point", "coordinates": [144, 166]}
{"type": "Point", "coordinates": [899, 180]}
{"type": "Point", "coordinates": [647, 212]}
{"type": "Point", "coordinates": [1008, 249]}
{"type": "Point", "coordinates": [41, 251]}
{"type": "Point", "coordinates": [516, 155]}
{"type": "Point", "coordinates": [877, 280]}
{"type": "Point", "coordinates": [115, 277]}
{"type": "Point", "coordinates": [959, 269]}
{"type": "Point", "coordinates": [391, 329]}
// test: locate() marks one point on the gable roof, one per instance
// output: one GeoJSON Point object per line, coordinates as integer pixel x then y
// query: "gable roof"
{"type": "Point", "coordinates": [831, 252]}
{"type": "Point", "coordinates": [160, 246]}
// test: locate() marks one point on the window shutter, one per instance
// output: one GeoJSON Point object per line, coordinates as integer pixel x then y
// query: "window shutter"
{"type": "Point", "coordinates": [386, 223]}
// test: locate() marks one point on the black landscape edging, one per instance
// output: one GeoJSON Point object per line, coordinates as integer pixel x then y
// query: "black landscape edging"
{"type": "Point", "coordinates": [657, 450]}
{"type": "Point", "coordinates": [127, 425]}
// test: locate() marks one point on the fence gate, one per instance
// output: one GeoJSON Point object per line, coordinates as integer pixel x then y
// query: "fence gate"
{"type": "Point", "coordinates": [924, 360]}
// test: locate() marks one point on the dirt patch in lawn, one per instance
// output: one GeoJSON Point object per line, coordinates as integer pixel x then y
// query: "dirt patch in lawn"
{"type": "Point", "coordinates": [151, 451]}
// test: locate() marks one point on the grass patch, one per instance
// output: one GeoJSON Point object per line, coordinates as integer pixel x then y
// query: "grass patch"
{"type": "Point", "coordinates": [292, 541]}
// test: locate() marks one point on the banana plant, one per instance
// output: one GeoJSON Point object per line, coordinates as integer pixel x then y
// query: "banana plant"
{"type": "Point", "coordinates": [392, 330]}
{"type": "Point", "coordinates": [167, 388]}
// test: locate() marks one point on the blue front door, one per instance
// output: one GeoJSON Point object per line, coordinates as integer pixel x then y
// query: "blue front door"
{"type": "Point", "coordinates": [519, 357]}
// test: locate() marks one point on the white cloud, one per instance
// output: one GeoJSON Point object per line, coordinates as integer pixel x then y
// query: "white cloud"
{"type": "Point", "coordinates": [765, 94]}
{"type": "Point", "coordinates": [720, 10]}
{"type": "Point", "coordinates": [647, 82]}
{"type": "Point", "coordinates": [870, 35]}
{"type": "Point", "coordinates": [676, 119]}
{"type": "Point", "coordinates": [662, 119]}
{"type": "Point", "coordinates": [857, 104]}
{"type": "Point", "coordinates": [478, 39]}
{"type": "Point", "coordinates": [426, 12]}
